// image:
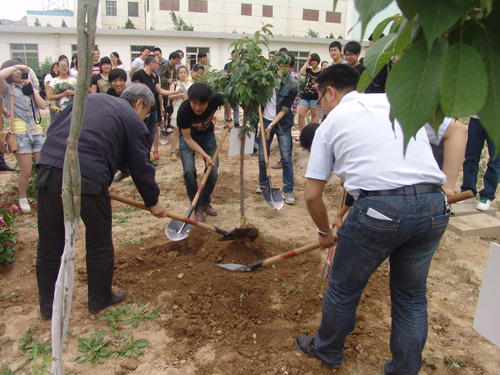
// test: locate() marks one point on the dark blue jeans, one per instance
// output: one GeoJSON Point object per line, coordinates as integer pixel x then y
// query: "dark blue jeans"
{"type": "Point", "coordinates": [285, 145]}
{"type": "Point", "coordinates": [410, 239]}
{"type": "Point", "coordinates": [475, 142]}
{"type": "Point", "coordinates": [208, 143]}
{"type": "Point", "coordinates": [151, 124]}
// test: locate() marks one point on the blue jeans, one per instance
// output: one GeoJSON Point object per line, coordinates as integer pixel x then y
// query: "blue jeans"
{"type": "Point", "coordinates": [285, 144]}
{"type": "Point", "coordinates": [208, 143]}
{"type": "Point", "coordinates": [475, 142]}
{"type": "Point", "coordinates": [410, 239]}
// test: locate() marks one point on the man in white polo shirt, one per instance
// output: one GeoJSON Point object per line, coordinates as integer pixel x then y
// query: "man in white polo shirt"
{"type": "Point", "coordinates": [399, 212]}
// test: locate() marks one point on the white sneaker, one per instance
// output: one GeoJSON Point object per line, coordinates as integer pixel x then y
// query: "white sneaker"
{"type": "Point", "coordinates": [469, 200]}
{"type": "Point", "coordinates": [483, 205]}
{"type": "Point", "coordinates": [258, 190]}
{"type": "Point", "coordinates": [289, 198]}
{"type": "Point", "coordinates": [25, 206]}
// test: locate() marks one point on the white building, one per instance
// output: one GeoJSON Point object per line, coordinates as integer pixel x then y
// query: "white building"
{"type": "Point", "coordinates": [34, 44]}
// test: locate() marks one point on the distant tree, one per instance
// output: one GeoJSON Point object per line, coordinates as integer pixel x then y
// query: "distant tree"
{"type": "Point", "coordinates": [63, 24]}
{"type": "Point", "coordinates": [129, 24]}
{"type": "Point", "coordinates": [340, 37]}
{"type": "Point", "coordinates": [312, 34]}
{"type": "Point", "coordinates": [48, 25]}
{"type": "Point", "coordinates": [37, 22]}
{"type": "Point", "coordinates": [330, 36]}
{"type": "Point", "coordinates": [179, 23]}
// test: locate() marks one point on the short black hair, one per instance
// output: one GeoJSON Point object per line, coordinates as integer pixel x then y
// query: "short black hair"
{"type": "Point", "coordinates": [201, 54]}
{"type": "Point", "coordinates": [307, 136]}
{"type": "Point", "coordinates": [198, 67]}
{"type": "Point", "coordinates": [117, 73]}
{"type": "Point", "coordinates": [283, 50]}
{"type": "Point", "coordinates": [272, 53]}
{"type": "Point", "coordinates": [180, 51]}
{"type": "Point", "coordinates": [343, 77]}
{"type": "Point", "coordinates": [105, 60]}
{"type": "Point", "coordinates": [158, 49]}
{"type": "Point", "coordinates": [174, 55]}
{"type": "Point", "coordinates": [371, 36]}
{"type": "Point", "coordinates": [201, 92]}
{"type": "Point", "coordinates": [353, 47]}
{"type": "Point", "coordinates": [149, 59]}
{"type": "Point", "coordinates": [335, 44]}
{"type": "Point", "coordinates": [315, 57]}
{"type": "Point", "coordinates": [233, 51]}
{"type": "Point", "coordinates": [62, 57]}
{"type": "Point", "coordinates": [143, 48]}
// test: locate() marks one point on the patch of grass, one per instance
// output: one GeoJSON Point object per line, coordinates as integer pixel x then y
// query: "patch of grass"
{"type": "Point", "coordinates": [141, 315]}
{"type": "Point", "coordinates": [133, 240]}
{"type": "Point", "coordinates": [131, 347]}
{"type": "Point", "coordinates": [120, 220]}
{"type": "Point", "coordinates": [129, 208]}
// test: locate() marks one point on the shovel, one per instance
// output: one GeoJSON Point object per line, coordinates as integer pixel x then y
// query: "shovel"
{"type": "Point", "coordinates": [235, 234]}
{"type": "Point", "coordinates": [329, 257]}
{"type": "Point", "coordinates": [272, 196]}
{"type": "Point", "coordinates": [178, 230]}
{"type": "Point", "coordinates": [266, 262]}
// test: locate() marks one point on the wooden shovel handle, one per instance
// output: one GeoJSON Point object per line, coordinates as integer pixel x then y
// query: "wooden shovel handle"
{"type": "Point", "coordinates": [460, 196]}
{"type": "Point", "coordinates": [263, 138]}
{"type": "Point", "coordinates": [169, 214]}
{"type": "Point", "coordinates": [290, 254]}
{"type": "Point", "coordinates": [209, 169]}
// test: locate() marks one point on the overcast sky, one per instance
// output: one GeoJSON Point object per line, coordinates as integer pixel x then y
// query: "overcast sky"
{"type": "Point", "coordinates": [13, 10]}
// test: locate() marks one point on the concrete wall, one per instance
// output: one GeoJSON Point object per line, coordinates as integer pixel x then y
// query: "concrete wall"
{"type": "Point", "coordinates": [53, 18]}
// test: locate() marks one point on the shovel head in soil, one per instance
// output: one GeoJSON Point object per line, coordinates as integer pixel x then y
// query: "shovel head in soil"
{"type": "Point", "coordinates": [273, 198]}
{"type": "Point", "coordinates": [238, 233]}
{"type": "Point", "coordinates": [177, 230]}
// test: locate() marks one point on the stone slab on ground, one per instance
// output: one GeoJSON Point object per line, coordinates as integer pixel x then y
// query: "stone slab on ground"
{"type": "Point", "coordinates": [462, 209]}
{"type": "Point", "coordinates": [475, 225]}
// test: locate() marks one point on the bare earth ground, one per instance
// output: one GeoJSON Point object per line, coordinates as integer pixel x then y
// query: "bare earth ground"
{"type": "Point", "coordinates": [213, 321]}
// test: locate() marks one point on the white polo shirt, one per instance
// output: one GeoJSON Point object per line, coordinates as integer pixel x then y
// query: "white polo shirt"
{"type": "Point", "coordinates": [435, 138]}
{"type": "Point", "coordinates": [138, 63]}
{"type": "Point", "coordinates": [357, 140]}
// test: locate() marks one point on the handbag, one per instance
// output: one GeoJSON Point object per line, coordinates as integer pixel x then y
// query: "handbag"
{"type": "Point", "coordinates": [8, 143]}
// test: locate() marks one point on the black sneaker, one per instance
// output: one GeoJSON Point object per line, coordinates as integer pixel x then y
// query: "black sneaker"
{"type": "Point", "coordinates": [116, 298]}
{"type": "Point", "coordinates": [6, 168]}
{"type": "Point", "coordinates": [121, 176]}
{"type": "Point", "coordinates": [305, 345]}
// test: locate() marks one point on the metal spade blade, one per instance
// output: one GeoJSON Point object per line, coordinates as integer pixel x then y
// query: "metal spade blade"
{"type": "Point", "coordinates": [177, 230]}
{"type": "Point", "coordinates": [273, 198]}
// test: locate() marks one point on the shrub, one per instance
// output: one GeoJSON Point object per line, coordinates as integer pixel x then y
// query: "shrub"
{"type": "Point", "coordinates": [7, 235]}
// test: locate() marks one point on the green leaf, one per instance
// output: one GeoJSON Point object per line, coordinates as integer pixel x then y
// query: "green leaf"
{"type": "Point", "coordinates": [142, 342]}
{"type": "Point", "coordinates": [404, 37]}
{"type": "Point", "coordinates": [464, 83]}
{"type": "Point", "coordinates": [382, 25]}
{"type": "Point", "coordinates": [413, 85]}
{"type": "Point", "coordinates": [367, 9]}
{"type": "Point", "coordinates": [489, 49]}
{"type": "Point", "coordinates": [437, 17]}
{"type": "Point", "coordinates": [436, 118]}
{"type": "Point", "coordinates": [376, 51]}
{"type": "Point", "coordinates": [364, 80]}
{"type": "Point", "coordinates": [408, 8]}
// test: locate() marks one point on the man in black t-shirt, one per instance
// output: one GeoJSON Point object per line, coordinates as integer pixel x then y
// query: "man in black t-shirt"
{"type": "Point", "coordinates": [194, 118]}
{"type": "Point", "coordinates": [150, 79]}
{"type": "Point", "coordinates": [352, 50]}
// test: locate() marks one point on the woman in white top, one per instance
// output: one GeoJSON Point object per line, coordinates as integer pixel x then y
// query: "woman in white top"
{"type": "Point", "coordinates": [116, 63]}
{"type": "Point", "coordinates": [184, 84]}
{"type": "Point", "coordinates": [54, 72]}
{"type": "Point", "coordinates": [62, 88]}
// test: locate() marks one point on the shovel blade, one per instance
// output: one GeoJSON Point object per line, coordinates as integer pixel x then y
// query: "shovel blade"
{"type": "Point", "coordinates": [239, 233]}
{"type": "Point", "coordinates": [176, 232]}
{"type": "Point", "coordinates": [234, 267]}
{"type": "Point", "coordinates": [273, 198]}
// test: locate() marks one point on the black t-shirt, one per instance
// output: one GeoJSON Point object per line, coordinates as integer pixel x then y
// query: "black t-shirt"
{"type": "Point", "coordinates": [112, 92]}
{"type": "Point", "coordinates": [378, 84]}
{"type": "Point", "coordinates": [199, 124]}
{"type": "Point", "coordinates": [101, 83]}
{"type": "Point", "coordinates": [310, 92]}
{"type": "Point", "coordinates": [150, 81]}
{"type": "Point", "coordinates": [360, 68]}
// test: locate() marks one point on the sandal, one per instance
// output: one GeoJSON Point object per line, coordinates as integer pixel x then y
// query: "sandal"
{"type": "Point", "coordinates": [156, 156]}
{"type": "Point", "coordinates": [173, 156]}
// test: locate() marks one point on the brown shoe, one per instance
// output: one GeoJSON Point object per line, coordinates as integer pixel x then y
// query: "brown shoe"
{"type": "Point", "coordinates": [116, 298]}
{"type": "Point", "coordinates": [278, 165]}
{"type": "Point", "coordinates": [198, 214]}
{"type": "Point", "coordinates": [209, 210]}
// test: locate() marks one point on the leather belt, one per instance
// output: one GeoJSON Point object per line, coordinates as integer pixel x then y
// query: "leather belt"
{"type": "Point", "coordinates": [406, 190]}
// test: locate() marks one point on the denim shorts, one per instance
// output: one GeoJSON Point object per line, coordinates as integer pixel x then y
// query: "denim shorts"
{"type": "Point", "coordinates": [309, 103]}
{"type": "Point", "coordinates": [26, 146]}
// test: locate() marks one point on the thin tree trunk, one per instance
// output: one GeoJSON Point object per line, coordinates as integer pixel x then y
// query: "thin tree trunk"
{"type": "Point", "coordinates": [71, 189]}
{"type": "Point", "coordinates": [243, 219]}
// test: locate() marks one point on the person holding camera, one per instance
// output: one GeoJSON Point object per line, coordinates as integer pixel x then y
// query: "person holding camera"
{"type": "Point", "coordinates": [20, 97]}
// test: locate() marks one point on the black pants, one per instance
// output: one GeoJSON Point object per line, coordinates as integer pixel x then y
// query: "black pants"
{"type": "Point", "coordinates": [96, 215]}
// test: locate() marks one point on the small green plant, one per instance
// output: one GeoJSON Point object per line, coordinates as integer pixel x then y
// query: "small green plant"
{"type": "Point", "coordinates": [129, 24]}
{"type": "Point", "coordinates": [119, 220]}
{"type": "Point", "coordinates": [114, 318]}
{"type": "Point", "coordinates": [454, 363]}
{"type": "Point", "coordinates": [179, 23]}
{"type": "Point", "coordinates": [41, 369]}
{"type": "Point", "coordinates": [242, 295]}
{"type": "Point", "coordinates": [7, 235]}
{"type": "Point", "coordinates": [131, 347]}
{"type": "Point", "coordinates": [313, 34]}
{"type": "Point", "coordinates": [141, 315]}
{"type": "Point", "coordinates": [133, 240]}
{"type": "Point", "coordinates": [93, 349]}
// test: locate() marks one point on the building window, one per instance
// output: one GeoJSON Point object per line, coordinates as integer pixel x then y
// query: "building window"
{"type": "Point", "coordinates": [300, 58]}
{"type": "Point", "coordinates": [26, 53]}
{"type": "Point", "coordinates": [200, 6]}
{"type": "Point", "coordinates": [333, 17]}
{"type": "Point", "coordinates": [310, 15]}
{"type": "Point", "coordinates": [192, 54]}
{"type": "Point", "coordinates": [169, 5]}
{"type": "Point", "coordinates": [267, 10]}
{"type": "Point", "coordinates": [246, 9]}
{"type": "Point", "coordinates": [133, 9]}
{"type": "Point", "coordinates": [110, 8]}
{"type": "Point", "coordinates": [135, 51]}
